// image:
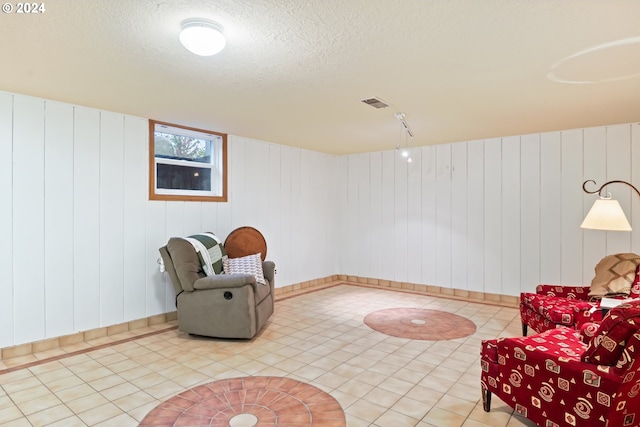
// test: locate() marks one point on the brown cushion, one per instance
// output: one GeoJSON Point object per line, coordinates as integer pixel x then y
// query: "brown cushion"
{"type": "Point", "coordinates": [615, 274]}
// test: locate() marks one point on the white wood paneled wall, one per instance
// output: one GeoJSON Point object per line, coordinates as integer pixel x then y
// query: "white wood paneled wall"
{"type": "Point", "coordinates": [79, 240]}
{"type": "Point", "coordinates": [498, 215]}
{"type": "Point", "coordinates": [79, 237]}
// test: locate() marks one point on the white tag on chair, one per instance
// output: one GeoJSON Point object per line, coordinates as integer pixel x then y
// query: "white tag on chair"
{"type": "Point", "coordinates": [161, 263]}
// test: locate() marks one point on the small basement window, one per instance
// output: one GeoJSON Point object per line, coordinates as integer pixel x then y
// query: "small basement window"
{"type": "Point", "coordinates": [186, 163]}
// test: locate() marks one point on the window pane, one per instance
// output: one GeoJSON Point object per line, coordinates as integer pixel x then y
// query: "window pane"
{"type": "Point", "coordinates": [187, 163]}
{"type": "Point", "coordinates": [180, 147]}
{"type": "Point", "coordinates": [183, 177]}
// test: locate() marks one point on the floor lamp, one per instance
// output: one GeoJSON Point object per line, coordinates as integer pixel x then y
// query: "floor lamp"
{"type": "Point", "coordinates": [606, 213]}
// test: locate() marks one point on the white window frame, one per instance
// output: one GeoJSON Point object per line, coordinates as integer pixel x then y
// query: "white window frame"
{"type": "Point", "coordinates": [218, 164]}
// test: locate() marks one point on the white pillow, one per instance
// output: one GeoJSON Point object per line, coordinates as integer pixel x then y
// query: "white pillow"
{"type": "Point", "coordinates": [250, 264]}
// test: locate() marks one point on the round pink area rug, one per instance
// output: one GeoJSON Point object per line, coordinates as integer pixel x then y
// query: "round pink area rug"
{"type": "Point", "coordinates": [420, 324]}
{"type": "Point", "coordinates": [248, 402]}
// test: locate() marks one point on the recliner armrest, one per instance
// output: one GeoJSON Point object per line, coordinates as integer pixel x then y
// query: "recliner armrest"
{"type": "Point", "coordinates": [269, 271]}
{"type": "Point", "coordinates": [220, 281]}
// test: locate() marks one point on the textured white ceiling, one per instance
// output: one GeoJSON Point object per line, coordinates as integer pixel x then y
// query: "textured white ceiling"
{"type": "Point", "coordinates": [294, 71]}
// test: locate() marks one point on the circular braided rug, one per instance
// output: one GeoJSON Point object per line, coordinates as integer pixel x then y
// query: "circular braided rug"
{"type": "Point", "coordinates": [420, 324]}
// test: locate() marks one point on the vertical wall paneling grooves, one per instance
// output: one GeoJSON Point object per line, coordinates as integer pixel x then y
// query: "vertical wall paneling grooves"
{"type": "Point", "coordinates": [111, 218]}
{"type": "Point", "coordinates": [158, 289]}
{"type": "Point", "coordinates": [193, 217]}
{"type": "Point", "coordinates": [6, 220]}
{"type": "Point", "coordinates": [352, 238]}
{"type": "Point", "coordinates": [475, 217]}
{"type": "Point", "coordinates": [459, 216]}
{"type": "Point", "coordinates": [86, 218]}
{"type": "Point", "coordinates": [134, 197]}
{"type": "Point", "coordinates": [28, 219]}
{"type": "Point", "coordinates": [175, 227]}
{"type": "Point", "coordinates": [286, 250]}
{"type": "Point", "coordinates": [296, 214]}
{"type": "Point", "coordinates": [272, 189]}
{"type": "Point", "coordinates": [221, 224]}
{"type": "Point", "coordinates": [400, 228]}
{"type": "Point", "coordinates": [493, 216]}
{"type": "Point", "coordinates": [414, 217]}
{"type": "Point", "coordinates": [511, 224]}
{"type": "Point", "coordinates": [572, 202]}
{"type": "Point", "coordinates": [634, 215]}
{"type": "Point", "coordinates": [550, 208]}
{"type": "Point", "coordinates": [496, 215]}
{"type": "Point", "coordinates": [58, 220]}
{"type": "Point", "coordinates": [618, 145]}
{"type": "Point", "coordinates": [594, 160]}
{"type": "Point", "coordinates": [443, 215]}
{"type": "Point", "coordinates": [238, 171]}
{"type": "Point", "coordinates": [256, 158]}
{"type": "Point", "coordinates": [428, 215]}
{"type": "Point", "coordinates": [530, 212]}
{"type": "Point", "coordinates": [363, 228]}
{"type": "Point", "coordinates": [388, 215]}
{"type": "Point", "coordinates": [307, 247]}
{"type": "Point", "coordinates": [376, 234]}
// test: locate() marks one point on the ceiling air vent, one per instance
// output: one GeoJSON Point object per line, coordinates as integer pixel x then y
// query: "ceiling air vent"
{"type": "Point", "coordinates": [375, 102]}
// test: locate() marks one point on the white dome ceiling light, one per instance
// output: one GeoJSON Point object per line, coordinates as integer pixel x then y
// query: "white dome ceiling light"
{"type": "Point", "coordinates": [202, 36]}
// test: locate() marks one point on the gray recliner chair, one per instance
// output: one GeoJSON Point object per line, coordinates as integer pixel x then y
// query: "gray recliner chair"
{"type": "Point", "coordinates": [222, 306]}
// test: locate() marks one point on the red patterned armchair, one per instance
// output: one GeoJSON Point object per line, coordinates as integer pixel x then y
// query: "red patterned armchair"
{"type": "Point", "coordinates": [556, 380]}
{"type": "Point", "coordinates": [552, 306]}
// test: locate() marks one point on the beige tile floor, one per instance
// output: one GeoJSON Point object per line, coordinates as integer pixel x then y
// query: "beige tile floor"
{"type": "Point", "coordinates": [317, 337]}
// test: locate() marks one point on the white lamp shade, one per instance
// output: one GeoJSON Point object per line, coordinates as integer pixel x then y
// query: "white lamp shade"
{"type": "Point", "coordinates": [202, 36]}
{"type": "Point", "coordinates": [606, 214]}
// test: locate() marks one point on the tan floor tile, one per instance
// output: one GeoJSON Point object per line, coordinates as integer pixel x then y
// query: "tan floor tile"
{"type": "Point", "coordinates": [456, 405]}
{"type": "Point", "coordinates": [440, 417]}
{"type": "Point", "coordinates": [87, 402]}
{"type": "Point", "coordinates": [122, 420]}
{"type": "Point", "coordinates": [317, 338]}
{"type": "Point", "coordinates": [365, 410]}
{"type": "Point", "coordinates": [100, 413]}
{"type": "Point", "coordinates": [309, 372]}
{"type": "Point", "coordinates": [396, 386]}
{"type": "Point", "coordinates": [356, 388]}
{"type": "Point", "coordinates": [39, 404]}
{"type": "Point", "coordinates": [411, 407]}
{"type": "Point", "coordinates": [331, 380]}
{"type": "Point", "coordinates": [148, 380]}
{"type": "Point", "coordinates": [20, 422]}
{"type": "Point", "coordinates": [164, 389]}
{"type": "Point", "coordinates": [21, 384]}
{"type": "Point", "coordinates": [133, 373]}
{"type": "Point", "coordinates": [64, 383]}
{"type": "Point", "coordinates": [134, 400]}
{"type": "Point", "coordinates": [30, 393]}
{"type": "Point", "coordinates": [140, 412]}
{"type": "Point", "coordinates": [75, 392]}
{"type": "Point", "coordinates": [106, 382]}
{"type": "Point", "coordinates": [49, 415]}
{"type": "Point", "coordinates": [72, 421]}
{"type": "Point", "coordinates": [382, 397]}
{"type": "Point", "coordinates": [6, 402]}
{"type": "Point", "coordinates": [393, 418]}
{"type": "Point", "coordinates": [119, 391]}
{"type": "Point", "coordinates": [9, 413]}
